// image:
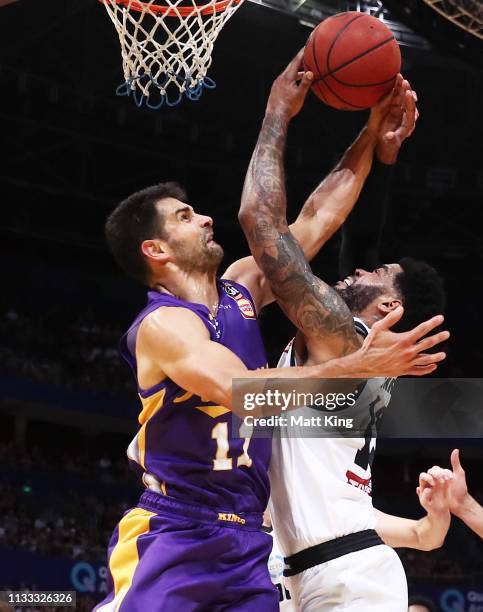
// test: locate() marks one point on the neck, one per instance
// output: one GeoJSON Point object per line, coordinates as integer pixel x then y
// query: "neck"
{"type": "Point", "coordinates": [369, 318]}
{"type": "Point", "coordinates": [193, 286]}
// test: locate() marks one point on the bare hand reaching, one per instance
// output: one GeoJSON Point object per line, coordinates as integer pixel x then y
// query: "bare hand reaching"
{"type": "Point", "coordinates": [459, 501]}
{"type": "Point", "coordinates": [434, 490]}
{"type": "Point", "coordinates": [289, 90]}
{"type": "Point", "coordinates": [398, 354]}
{"type": "Point", "coordinates": [394, 120]}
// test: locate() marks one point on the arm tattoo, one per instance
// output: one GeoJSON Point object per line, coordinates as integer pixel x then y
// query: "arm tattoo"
{"type": "Point", "coordinates": [313, 306]}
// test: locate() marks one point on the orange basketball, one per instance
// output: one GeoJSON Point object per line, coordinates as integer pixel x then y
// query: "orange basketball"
{"type": "Point", "coordinates": [355, 60]}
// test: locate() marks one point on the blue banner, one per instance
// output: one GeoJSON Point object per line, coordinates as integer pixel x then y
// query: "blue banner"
{"type": "Point", "coordinates": [52, 573]}
{"type": "Point", "coordinates": [452, 598]}
{"type": "Point", "coordinates": [61, 573]}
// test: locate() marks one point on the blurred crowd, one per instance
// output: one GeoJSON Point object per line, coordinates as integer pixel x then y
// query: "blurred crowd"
{"type": "Point", "coordinates": [62, 503]}
{"type": "Point", "coordinates": [79, 355]}
{"type": "Point", "coordinates": [34, 459]}
{"type": "Point", "coordinates": [441, 566]}
{"type": "Point", "coordinates": [71, 525]}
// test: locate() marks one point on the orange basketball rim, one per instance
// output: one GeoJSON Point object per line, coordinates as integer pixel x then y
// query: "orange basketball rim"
{"type": "Point", "coordinates": [168, 11]}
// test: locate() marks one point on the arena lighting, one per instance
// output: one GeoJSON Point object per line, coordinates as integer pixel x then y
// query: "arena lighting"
{"type": "Point", "coordinates": [310, 13]}
{"type": "Point", "coordinates": [466, 14]}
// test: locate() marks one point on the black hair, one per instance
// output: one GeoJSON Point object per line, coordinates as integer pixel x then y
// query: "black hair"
{"type": "Point", "coordinates": [137, 219]}
{"type": "Point", "coordinates": [419, 600]}
{"type": "Point", "coordinates": [421, 289]}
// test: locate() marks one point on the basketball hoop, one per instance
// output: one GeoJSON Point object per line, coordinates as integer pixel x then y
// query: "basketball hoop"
{"type": "Point", "coordinates": [166, 48]}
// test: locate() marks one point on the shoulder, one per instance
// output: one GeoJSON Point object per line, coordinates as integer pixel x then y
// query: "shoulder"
{"type": "Point", "coordinates": [241, 273]}
{"type": "Point", "coordinates": [240, 269]}
{"type": "Point", "coordinates": [234, 288]}
{"type": "Point", "coordinates": [171, 323]}
{"type": "Point", "coordinates": [246, 273]}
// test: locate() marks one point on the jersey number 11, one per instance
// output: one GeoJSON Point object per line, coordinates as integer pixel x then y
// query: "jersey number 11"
{"type": "Point", "coordinates": [222, 461]}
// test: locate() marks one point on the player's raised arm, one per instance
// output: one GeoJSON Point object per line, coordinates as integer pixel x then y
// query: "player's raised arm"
{"type": "Point", "coordinates": [314, 307]}
{"type": "Point", "coordinates": [175, 342]}
{"type": "Point", "coordinates": [329, 205]}
{"type": "Point", "coordinates": [428, 532]}
{"type": "Point", "coordinates": [323, 213]}
{"type": "Point", "coordinates": [395, 119]}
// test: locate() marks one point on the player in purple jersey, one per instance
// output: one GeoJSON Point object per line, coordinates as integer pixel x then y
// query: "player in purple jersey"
{"type": "Point", "coordinates": [194, 540]}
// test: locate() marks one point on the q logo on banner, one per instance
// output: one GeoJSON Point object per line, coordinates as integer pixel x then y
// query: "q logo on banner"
{"type": "Point", "coordinates": [83, 578]}
{"type": "Point", "coordinates": [452, 600]}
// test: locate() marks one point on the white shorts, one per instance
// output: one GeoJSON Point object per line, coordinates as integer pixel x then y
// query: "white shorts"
{"type": "Point", "coordinates": [369, 580]}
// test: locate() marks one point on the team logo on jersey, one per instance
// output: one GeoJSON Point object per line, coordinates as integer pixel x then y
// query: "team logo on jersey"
{"type": "Point", "coordinates": [230, 290]}
{"type": "Point", "coordinates": [365, 484]}
{"type": "Point", "coordinates": [244, 305]}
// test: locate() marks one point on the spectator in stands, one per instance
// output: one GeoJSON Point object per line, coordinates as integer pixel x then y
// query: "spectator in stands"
{"type": "Point", "coordinates": [421, 604]}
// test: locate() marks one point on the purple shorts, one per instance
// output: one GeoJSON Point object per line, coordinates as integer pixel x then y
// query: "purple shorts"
{"type": "Point", "coordinates": [167, 556]}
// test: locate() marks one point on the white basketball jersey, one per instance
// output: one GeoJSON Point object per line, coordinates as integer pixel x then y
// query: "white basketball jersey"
{"type": "Point", "coordinates": [321, 487]}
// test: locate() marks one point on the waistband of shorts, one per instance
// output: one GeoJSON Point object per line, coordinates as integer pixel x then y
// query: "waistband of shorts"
{"type": "Point", "coordinates": [164, 504]}
{"type": "Point", "coordinates": [321, 553]}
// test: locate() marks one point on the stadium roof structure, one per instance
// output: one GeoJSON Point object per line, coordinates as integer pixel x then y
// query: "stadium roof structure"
{"type": "Point", "coordinates": [466, 14]}
{"type": "Point", "coordinates": [311, 12]}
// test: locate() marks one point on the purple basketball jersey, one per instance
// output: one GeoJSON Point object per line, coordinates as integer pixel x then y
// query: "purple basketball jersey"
{"type": "Point", "coordinates": [184, 447]}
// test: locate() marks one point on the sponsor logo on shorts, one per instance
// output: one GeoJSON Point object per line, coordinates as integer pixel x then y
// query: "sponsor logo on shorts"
{"type": "Point", "coordinates": [232, 518]}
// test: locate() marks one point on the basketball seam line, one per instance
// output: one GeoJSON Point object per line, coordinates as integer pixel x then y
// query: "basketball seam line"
{"type": "Point", "coordinates": [314, 55]}
{"type": "Point", "coordinates": [355, 84]}
{"type": "Point", "coordinates": [356, 57]}
{"type": "Point", "coordinates": [318, 68]}
{"type": "Point", "coordinates": [340, 98]}
{"type": "Point", "coordinates": [339, 33]}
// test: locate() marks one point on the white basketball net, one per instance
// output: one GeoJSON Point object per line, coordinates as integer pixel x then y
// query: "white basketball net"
{"type": "Point", "coordinates": [166, 48]}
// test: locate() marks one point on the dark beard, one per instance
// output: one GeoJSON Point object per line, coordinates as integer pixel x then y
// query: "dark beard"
{"type": "Point", "coordinates": [205, 259]}
{"type": "Point", "coordinates": [213, 256]}
{"type": "Point", "coordinates": [358, 297]}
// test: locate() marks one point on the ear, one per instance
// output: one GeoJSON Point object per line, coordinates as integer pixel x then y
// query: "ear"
{"type": "Point", "coordinates": [387, 304]}
{"type": "Point", "coordinates": [154, 252]}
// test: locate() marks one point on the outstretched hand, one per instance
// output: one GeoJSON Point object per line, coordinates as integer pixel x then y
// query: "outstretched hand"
{"type": "Point", "coordinates": [290, 88]}
{"type": "Point", "coordinates": [387, 353]}
{"type": "Point", "coordinates": [455, 481]}
{"type": "Point", "coordinates": [434, 490]}
{"type": "Point", "coordinates": [394, 120]}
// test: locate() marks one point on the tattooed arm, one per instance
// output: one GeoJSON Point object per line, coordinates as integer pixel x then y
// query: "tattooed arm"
{"type": "Point", "coordinates": [314, 307]}
{"type": "Point", "coordinates": [332, 200]}
{"type": "Point", "coordinates": [322, 215]}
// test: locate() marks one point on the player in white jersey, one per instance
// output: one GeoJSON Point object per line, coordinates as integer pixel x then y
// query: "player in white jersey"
{"type": "Point", "coordinates": [321, 508]}
{"type": "Point", "coordinates": [320, 495]}
{"type": "Point", "coordinates": [321, 487]}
